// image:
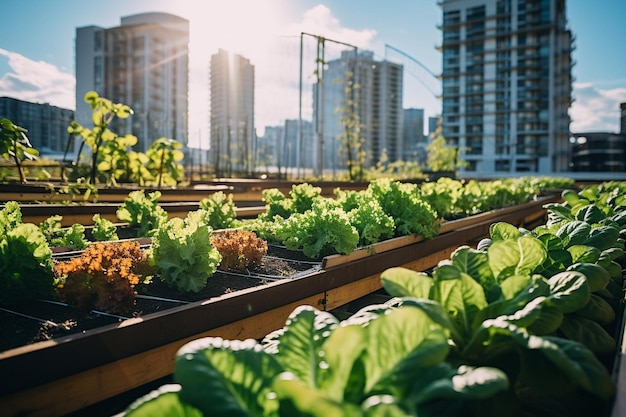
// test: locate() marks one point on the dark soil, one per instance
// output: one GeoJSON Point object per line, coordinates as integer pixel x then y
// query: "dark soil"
{"type": "Point", "coordinates": [36, 321]}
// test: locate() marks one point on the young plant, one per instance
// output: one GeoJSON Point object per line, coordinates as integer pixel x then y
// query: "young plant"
{"type": "Point", "coordinates": [411, 213]}
{"type": "Point", "coordinates": [103, 229]}
{"type": "Point", "coordinates": [103, 277]}
{"type": "Point", "coordinates": [104, 110]}
{"type": "Point", "coordinates": [164, 157]}
{"type": "Point", "coordinates": [72, 238]}
{"type": "Point", "coordinates": [142, 212]}
{"type": "Point", "coordinates": [241, 250]}
{"type": "Point", "coordinates": [218, 211]}
{"type": "Point", "coordinates": [182, 253]}
{"type": "Point", "coordinates": [14, 145]}
{"type": "Point", "coordinates": [324, 229]}
{"type": "Point", "coordinates": [25, 259]}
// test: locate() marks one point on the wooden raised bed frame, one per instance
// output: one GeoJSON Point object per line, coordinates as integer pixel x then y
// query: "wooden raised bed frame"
{"type": "Point", "coordinates": [64, 375]}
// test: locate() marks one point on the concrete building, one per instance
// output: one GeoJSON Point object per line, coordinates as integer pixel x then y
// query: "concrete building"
{"type": "Point", "coordinates": [142, 63]}
{"type": "Point", "coordinates": [506, 85]}
{"type": "Point", "coordinates": [432, 125]}
{"type": "Point", "coordinates": [372, 110]}
{"type": "Point", "coordinates": [413, 137]}
{"type": "Point", "coordinates": [46, 125]}
{"type": "Point", "coordinates": [278, 148]}
{"type": "Point", "coordinates": [600, 151]}
{"type": "Point", "coordinates": [232, 130]}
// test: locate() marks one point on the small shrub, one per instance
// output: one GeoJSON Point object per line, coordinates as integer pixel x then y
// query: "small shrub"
{"type": "Point", "coordinates": [241, 250]}
{"type": "Point", "coordinates": [103, 277]}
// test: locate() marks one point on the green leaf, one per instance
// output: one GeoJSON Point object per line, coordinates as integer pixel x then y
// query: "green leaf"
{"type": "Point", "coordinates": [589, 333]}
{"type": "Point", "coordinates": [573, 359]}
{"type": "Point", "coordinates": [163, 402]}
{"type": "Point", "coordinates": [399, 344]}
{"type": "Point", "coordinates": [296, 399]}
{"type": "Point", "coordinates": [570, 291]}
{"type": "Point", "coordinates": [336, 360]}
{"type": "Point", "coordinates": [597, 276]}
{"type": "Point", "coordinates": [590, 213]}
{"type": "Point", "coordinates": [602, 237]}
{"type": "Point", "coordinates": [584, 253]}
{"type": "Point", "coordinates": [465, 383]}
{"type": "Point", "coordinates": [475, 264]}
{"type": "Point", "coordinates": [404, 282]}
{"type": "Point", "coordinates": [598, 310]}
{"type": "Point", "coordinates": [503, 231]}
{"type": "Point", "coordinates": [459, 294]}
{"type": "Point", "coordinates": [226, 377]}
{"type": "Point", "coordinates": [516, 257]}
{"type": "Point", "coordinates": [574, 232]}
{"type": "Point", "coordinates": [300, 344]}
{"type": "Point", "coordinates": [548, 320]}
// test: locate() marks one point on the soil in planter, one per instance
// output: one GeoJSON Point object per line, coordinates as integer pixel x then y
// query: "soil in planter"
{"type": "Point", "coordinates": [37, 321]}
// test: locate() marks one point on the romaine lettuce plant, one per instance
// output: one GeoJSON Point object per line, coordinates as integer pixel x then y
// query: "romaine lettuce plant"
{"type": "Point", "coordinates": [384, 360]}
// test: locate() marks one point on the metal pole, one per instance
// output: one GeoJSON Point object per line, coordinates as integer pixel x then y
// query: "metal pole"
{"type": "Point", "coordinates": [299, 138]}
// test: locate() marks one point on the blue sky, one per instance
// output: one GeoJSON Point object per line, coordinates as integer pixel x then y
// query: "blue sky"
{"type": "Point", "coordinates": [37, 49]}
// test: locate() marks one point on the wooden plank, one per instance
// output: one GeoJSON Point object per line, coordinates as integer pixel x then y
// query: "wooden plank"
{"type": "Point", "coordinates": [380, 247]}
{"type": "Point", "coordinates": [344, 294]}
{"type": "Point", "coordinates": [95, 385]}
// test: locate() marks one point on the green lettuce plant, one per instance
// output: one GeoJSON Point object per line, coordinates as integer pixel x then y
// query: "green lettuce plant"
{"type": "Point", "coordinates": [25, 259]}
{"type": "Point", "coordinates": [183, 254]}
{"type": "Point", "coordinates": [142, 212]}
{"type": "Point", "coordinates": [384, 360]}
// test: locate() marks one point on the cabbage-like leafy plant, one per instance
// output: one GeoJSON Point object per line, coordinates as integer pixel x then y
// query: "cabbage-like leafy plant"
{"type": "Point", "coordinates": [25, 259]}
{"type": "Point", "coordinates": [384, 360]}
{"type": "Point", "coordinates": [183, 254]}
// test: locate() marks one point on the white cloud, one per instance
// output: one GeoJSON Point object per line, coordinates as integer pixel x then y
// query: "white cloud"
{"type": "Point", "coordinates": [320, 21]}
{"type": "Point", "coordinates": [37, 82]}
{"type": "Point", "coordinates": [595, 109]}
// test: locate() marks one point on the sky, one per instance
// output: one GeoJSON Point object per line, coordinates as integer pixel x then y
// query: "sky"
{"type": "Point", "coordinates": [37, 50]}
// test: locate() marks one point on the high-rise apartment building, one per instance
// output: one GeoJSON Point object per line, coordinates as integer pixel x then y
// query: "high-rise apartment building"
{"type": "Point", "coordinates": [506, 84]}
{"type": "Point", "coordinates": [413, 136]}
{"type": "Point", "coordinates": [143, 63]}
{"type": "Point", "coordinates": [232, 130]}
{"type": "Point", "coordinates": [358, 92]}
{"type": "Point", "coordinates": [46, 125]}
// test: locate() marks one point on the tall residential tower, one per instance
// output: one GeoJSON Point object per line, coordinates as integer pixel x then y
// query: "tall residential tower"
{"type": "Point", "coordinates": [142, 63]}
{"type": "Point", "coordinates": [359, 90]}
{"type": "Point", "coordinates": [233, 134]}
{"type": "Point", "coordinates": [507, 84]}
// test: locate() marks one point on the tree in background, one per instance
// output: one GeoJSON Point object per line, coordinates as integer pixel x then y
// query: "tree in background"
{"type": "Point", "coordinates": [441, 156]}
{"type": "Point", "coordinates": [104, 110]}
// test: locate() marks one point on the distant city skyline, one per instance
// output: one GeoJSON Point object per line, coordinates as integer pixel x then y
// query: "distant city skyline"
{"type": "Point", "coordinates": [37, 50]}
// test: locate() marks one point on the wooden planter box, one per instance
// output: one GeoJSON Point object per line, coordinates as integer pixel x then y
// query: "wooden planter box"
{"type": "Point", "coordinates": [64, 375]}
{"type": "Point", "coordinates": [243, 190]}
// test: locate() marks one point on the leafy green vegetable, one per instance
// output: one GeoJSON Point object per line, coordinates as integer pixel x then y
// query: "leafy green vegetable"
{"type": "Point", "coordinates": [218, 210]}
{"type": "Point", "coordinates": [323, 230]}
{"type": "Point", "coordinates": [371, 222]}
{"type": "Point", "coordinates": [25, 263]}
{"type": "Point", "coordinates": [72, 237]}
{"type": "Point", "coordinates": [183, 254]}
{"type": "Point", "coordinates": [142, 212]}
{"type": "Point", "coordinates": [411, 213]}
{"type": "Point", "coordinates": [103, 229]}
